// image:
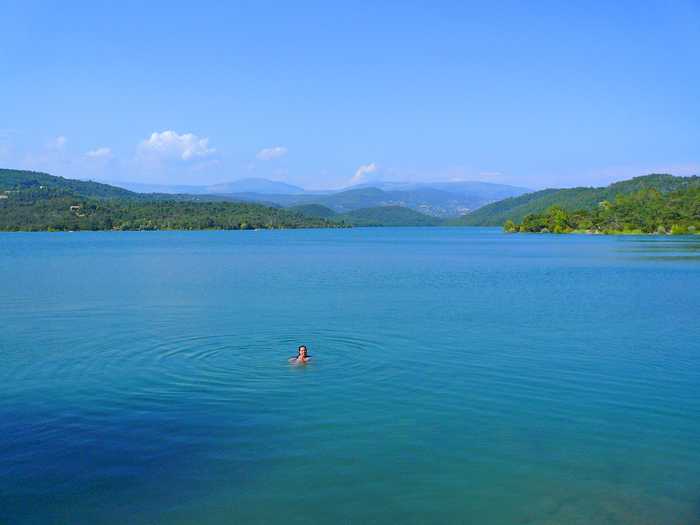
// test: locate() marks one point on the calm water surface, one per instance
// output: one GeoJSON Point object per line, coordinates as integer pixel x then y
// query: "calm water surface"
{"type": "Point", "coordinates": [460, 376]}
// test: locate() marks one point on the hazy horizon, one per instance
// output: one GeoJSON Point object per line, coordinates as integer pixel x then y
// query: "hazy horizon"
{"type": "Point", "coordinates": [378, 182]}
{"type": "Point", "coordinates": [327, 96]}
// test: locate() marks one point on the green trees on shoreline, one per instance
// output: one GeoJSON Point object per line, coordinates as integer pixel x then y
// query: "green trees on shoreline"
{"type": "Point", "coordinates": [56, 210]}
{"type": "Point", "coordinates": [516, 208]}
{"type": "Point", "coordinates": [644, 211]}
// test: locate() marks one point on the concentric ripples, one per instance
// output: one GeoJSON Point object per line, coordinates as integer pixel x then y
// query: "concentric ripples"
{"type": "Point", "coordinates": [226, 366]}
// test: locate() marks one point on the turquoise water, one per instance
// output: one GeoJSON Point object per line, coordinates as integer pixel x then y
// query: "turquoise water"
{"type": "Point", "coordinates": [460, 376]}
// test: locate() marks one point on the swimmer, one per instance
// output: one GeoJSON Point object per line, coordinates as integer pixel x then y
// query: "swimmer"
{"type": "Point", "coordinates": [302, 357]}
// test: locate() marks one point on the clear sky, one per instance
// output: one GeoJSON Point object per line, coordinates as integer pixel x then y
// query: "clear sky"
{"type": "Point", "coordinates": [328, 93]}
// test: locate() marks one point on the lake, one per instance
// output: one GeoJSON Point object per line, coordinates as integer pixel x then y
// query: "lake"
{"type": "Point", "coordinates": [458, 376]}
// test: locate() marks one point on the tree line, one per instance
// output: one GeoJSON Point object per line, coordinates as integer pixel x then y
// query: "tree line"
{"type": "Point", "coordinates": [643, 211]}
{"type": "Point", "coordinates": [44, 209]}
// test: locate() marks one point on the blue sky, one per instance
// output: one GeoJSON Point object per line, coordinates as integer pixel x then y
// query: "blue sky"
{"type": "Point", "coordinates": [330, 93]}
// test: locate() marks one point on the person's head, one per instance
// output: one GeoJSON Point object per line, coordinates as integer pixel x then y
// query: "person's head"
{"type": "Point", "coordinates": [302, 352]}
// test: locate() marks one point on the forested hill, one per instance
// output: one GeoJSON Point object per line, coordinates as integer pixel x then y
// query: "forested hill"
{"type": "Point", "coordinates": [388, 216]}
{"type": "Point", "coordinates": [373, 216]}
{"type": "Point", "coordinates": [45, 209]}
{"type": "Point", "coordinates": [646, 210]}
{"type": "Point", "coordinates": [571, 199]}
{"type": "Point", "coordinates": [23, 180]}
{"type": "Point", "coordinates": [33, 201]}
{"type": "Point", "coordinates": [313, 210]}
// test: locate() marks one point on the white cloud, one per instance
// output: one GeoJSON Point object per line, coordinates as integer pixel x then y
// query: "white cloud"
{"type": "Point", "coordinates": [169, 144]}
{"type": "Point", "coordinates": [99, 153]}
{"type": "Point", "coordinates": [362, 172]}
{"type": "Point", "coordinates": [274, 152]}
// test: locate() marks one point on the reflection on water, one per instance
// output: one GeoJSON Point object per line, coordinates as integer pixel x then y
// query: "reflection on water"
{"type": "Point", "coordinates": [656, 247]}
{"type": "Point", "coordinates": [459, 375]}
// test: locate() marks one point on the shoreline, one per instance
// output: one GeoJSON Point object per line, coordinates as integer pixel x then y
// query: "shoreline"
{"type": "Point", "coordinates": [608, 233]}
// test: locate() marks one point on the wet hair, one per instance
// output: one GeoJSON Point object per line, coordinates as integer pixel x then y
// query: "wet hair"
{"type": "Point", "coordinates": [299, 351]}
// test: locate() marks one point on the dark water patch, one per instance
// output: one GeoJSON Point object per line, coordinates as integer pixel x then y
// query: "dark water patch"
{"type": "Point", "coordinates": [671, 258]}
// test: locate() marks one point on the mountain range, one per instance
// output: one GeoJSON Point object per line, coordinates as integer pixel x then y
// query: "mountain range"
{"type": "Point", "coordinates": [439, 199]}
{"type": "Point", "coordinates": [394, 205]}
{"type": "Point", "coordinates": [406, 204]}
{"type": "Point", "coordinates": [250, 185]}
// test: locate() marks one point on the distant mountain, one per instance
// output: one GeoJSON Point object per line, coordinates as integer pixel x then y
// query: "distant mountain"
{"type": "Point", "coordinates": [426, 200]}
{"type": "Point", "coordinates": [475, 189]}
{"type": "Point", "coordinates": [143, 187]}
{"type": "Point", "coordinates": [263, 186]}
{"type": "Point", "coordinates": [481, 191]}
{"type": "Point", "coordinates": [439, 199]}
{"type": "Point", "coordinates": [387, 216]}
{"type": "Point", "coordinates": [348, 200]}
{"type": "Point", "coordinates": [252, 185]}
{"type": "Point", "coordinates": [339, 202]}
{"type": "Point", "coordinates": [570, 199]}
{"type": "Point", "coordinates": [445, 199]}
{"type": "Point", "coordinates": [433, 202]}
